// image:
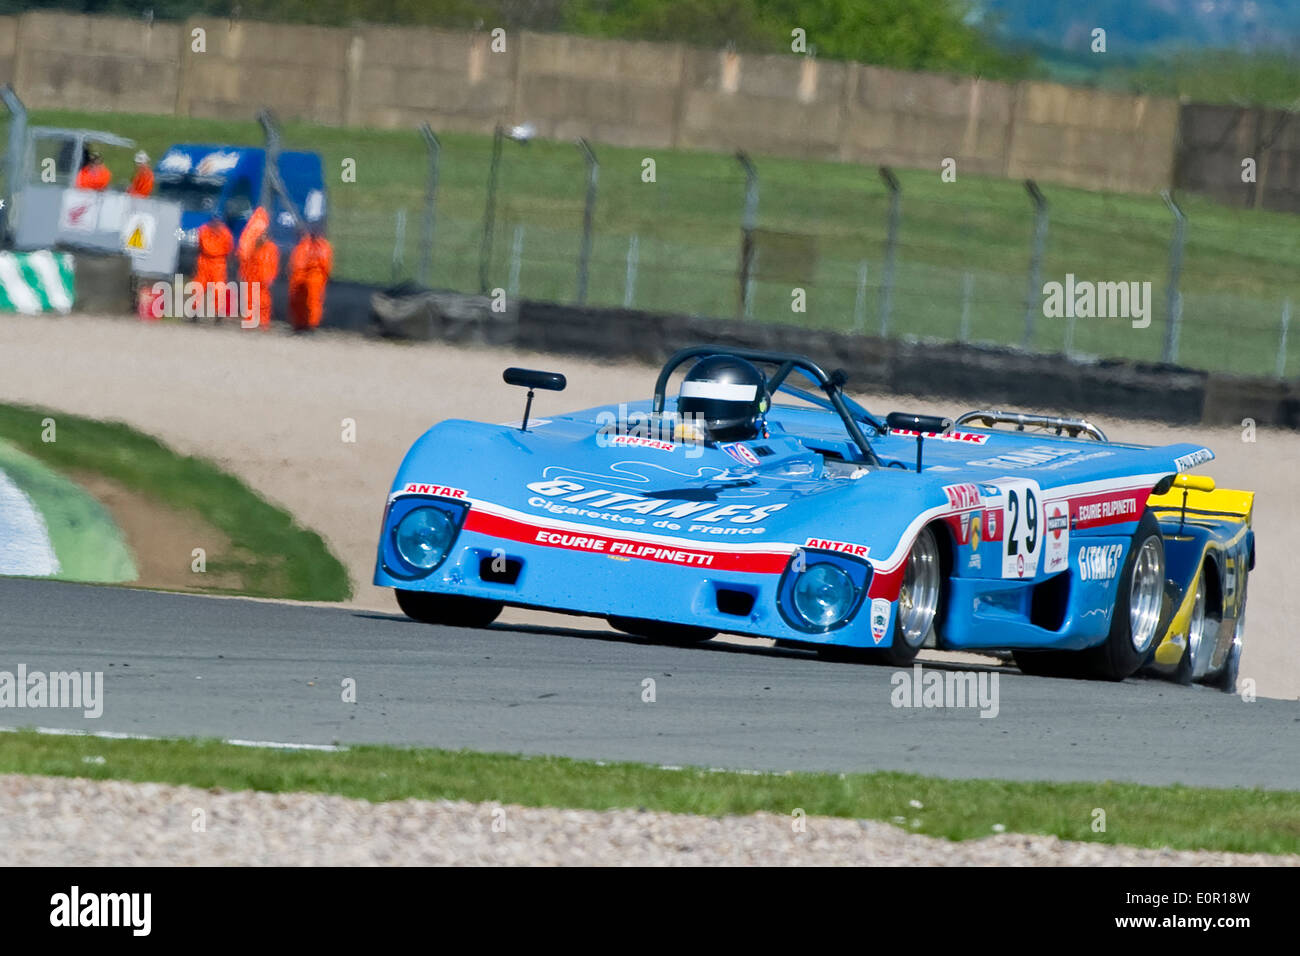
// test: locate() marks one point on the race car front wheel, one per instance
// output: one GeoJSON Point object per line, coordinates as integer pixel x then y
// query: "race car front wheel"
{"type": "Point", "coordinates": [918, 602]}
{"type": "Point", "coordinates": [451, 610]}
{"type": "Point", "coordinates": [1139, 603]}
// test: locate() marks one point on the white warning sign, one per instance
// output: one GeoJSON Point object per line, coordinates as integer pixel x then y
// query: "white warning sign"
{"type": "Point", "coordinates": [137, 234]}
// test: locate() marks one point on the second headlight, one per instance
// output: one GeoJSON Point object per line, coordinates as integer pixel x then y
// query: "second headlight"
{"type": "Point", "coordinates": [824, 595]}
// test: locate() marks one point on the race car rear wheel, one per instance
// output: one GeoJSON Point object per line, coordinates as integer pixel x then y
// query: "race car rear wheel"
{"type": "Point", "coordinates": [1139, 602]}
{"type": "Point", "coordinates": [1226, 679]}
{"type": "Point", "coordinates": [1199, 644]}
{"type": "Point", "coordinates": [661, 631]}
{"type": "Point", "coordinates": [453, 610]}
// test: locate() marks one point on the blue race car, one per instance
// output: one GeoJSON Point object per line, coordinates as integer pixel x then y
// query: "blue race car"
{"type": "Point", "coordinates": [817, 524]}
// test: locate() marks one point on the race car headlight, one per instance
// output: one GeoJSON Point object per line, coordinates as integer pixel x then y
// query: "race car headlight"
{"type": "Point", "coordinates": [423, 537]}
{"type": "Point", "coordinates": [821, 591]}
{"type": "Point", "coordinates": [823, 595]}
{"type": "Point", "coordinates": [418, 534]}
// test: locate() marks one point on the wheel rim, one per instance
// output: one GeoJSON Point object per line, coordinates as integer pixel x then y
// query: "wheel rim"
{"type": "Point", "coordinates": [918, 598]}
{"type": "Point", "coordinates": [1196, 629]}
{"type": "Point", "coordinates": [1145, 591]}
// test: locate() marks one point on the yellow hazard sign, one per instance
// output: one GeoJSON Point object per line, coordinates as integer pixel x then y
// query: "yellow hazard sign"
{"type": "Point", "coordinates": [137, 233]}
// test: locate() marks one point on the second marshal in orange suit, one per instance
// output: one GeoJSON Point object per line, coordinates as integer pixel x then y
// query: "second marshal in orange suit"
{"type": "Point", "coordinates": [310, 266]}
{"type": "Point", "coordinates": [259, 262]}
{"type": "Point", "coordinates": [215, 245]}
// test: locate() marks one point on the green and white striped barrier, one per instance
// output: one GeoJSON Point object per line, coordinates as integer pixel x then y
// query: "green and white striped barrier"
{"type": "Point", "coordinates": [35, 282]}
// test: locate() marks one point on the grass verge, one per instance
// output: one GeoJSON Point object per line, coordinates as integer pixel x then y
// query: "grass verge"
{"type": "Point", "coordinates": [273, 555]}
{"type": "Point", "coordinates": [1245, 821]}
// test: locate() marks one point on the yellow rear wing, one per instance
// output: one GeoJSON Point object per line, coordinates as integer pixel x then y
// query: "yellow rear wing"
{"type": "Point", "coordinates": [1197, 494]}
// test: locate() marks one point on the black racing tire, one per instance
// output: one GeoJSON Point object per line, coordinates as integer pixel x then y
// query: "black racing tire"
{"type": "Point", "coordinates": [921, 600]}
{"type": "Point", "coordinates": [1226, 679]}
{"type": "Point", "coordinates": [661, 632]}
{"type": "Point", "coordinates": [1200, 643]}
{"type": "Point", "coordinates": [452, 610]}
{"type": "Point", "coordinates": [1124, 651]}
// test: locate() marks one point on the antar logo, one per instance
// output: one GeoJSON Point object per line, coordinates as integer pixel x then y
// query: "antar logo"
{"type": "Point", "coordinates": [963, 496]}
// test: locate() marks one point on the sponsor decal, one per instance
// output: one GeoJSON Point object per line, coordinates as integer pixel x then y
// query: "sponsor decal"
{"type": "Point", "coordinates": [963, 496]}
{"type": "Point", "coordinates": [79, 211]}
{"type": "Point", "coordinates": [1093, 511]}
{"type": "Point", "coordinates": [1099, 562]}
{"type": "Point", "coordinates": [595, 541]}
{"type": "Point", "coordinates": [1188, 462]}
{"type": "Point", "coordinates": [532, 423]}
{"type": "Point", "coordinates": [969, 438]}
{"type": "Point", "coordinates": [1057, 555]}
{"type": "Point", "coordinates": [974, 563]}
{"type": "Point", "coordinates": [740, 453]}
{"type": "Point", "coordinates": [636, 441]}
{"type": "Point", "coordinates": [1032, 457]}
{"type": "Point", "coordinates": [879, 619]}
{"type": "Point", "coordinates": [825, 544]}
{"type": "Point", "coordinates": [627, 508]}
{"type": "Point", "coordinates": [441, 491]}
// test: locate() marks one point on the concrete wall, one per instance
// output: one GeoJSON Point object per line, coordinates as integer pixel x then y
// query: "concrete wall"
{"type": "Point", "coordinates": [1214, 140]}
{"type": "Point", "coordinates": [617, 92]}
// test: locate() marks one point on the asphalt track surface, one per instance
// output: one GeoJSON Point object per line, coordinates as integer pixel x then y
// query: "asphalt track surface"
{"type": "Point", "coordinates": [180, 665]}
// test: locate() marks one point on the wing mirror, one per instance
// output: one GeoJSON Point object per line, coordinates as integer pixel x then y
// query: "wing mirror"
{"type": "Point", "coordinates": [532, 379]}
{"type": "Point", "coordinates": [921, 425]}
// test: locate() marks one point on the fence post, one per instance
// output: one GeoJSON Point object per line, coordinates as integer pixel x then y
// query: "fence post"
{"type": "Point", "coordinates": [588, 213]}
{"type": "Point", "coordinates": [891, 247]}
{"type": "Point", "coordinates": [430, 202]}
{"type": "Point", "coordinates": [860, 304]}
{"type": "Point", "coordinates": [629, 283]}
{"type": "Point", "coordinates": [520, 134]}
{"type": "Point", "coordinates": [490, 210]}
{"type": "Point", "coordinates": [967, 288]}
{"type": "Point", "coordinates": [516, 261]}
{"type": "Point", "coordinates": [399, 245]}
{"type": "Point", "coordinates": [748, 223]}
{"type": "Point", "coordinates": [1033, 295]}
{"type": "Point", "coordinates": [1173, 297]}
{"type": "Point", "coordinates": [1281, 348]}
{"type": "Point", "coordinates": [271, 134]}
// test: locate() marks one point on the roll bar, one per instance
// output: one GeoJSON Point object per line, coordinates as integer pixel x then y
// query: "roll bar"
{"type": "Point", "coordinates": [785, 363]}
{"type": "Point", "coordinates": [1074, 427]}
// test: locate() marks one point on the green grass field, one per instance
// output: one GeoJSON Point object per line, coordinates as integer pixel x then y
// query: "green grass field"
{"type": "Point", "coordinates": [272, 555]}
{"type": "Point", "coordinates": [1247, 821]}
{"type": "Point", "coordinates": [1239, 266]}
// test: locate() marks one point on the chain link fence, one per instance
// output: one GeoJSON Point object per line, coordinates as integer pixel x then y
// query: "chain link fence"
{"type": "Point", "coordinates": [841, 250]}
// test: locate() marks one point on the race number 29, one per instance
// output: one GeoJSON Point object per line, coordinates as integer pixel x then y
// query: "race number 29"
{"type": "Point", "coordinates": [1023, 521]}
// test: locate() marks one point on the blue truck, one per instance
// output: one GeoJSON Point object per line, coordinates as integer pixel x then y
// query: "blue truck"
{"type": "Point", "coordinates": [234, 180]}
